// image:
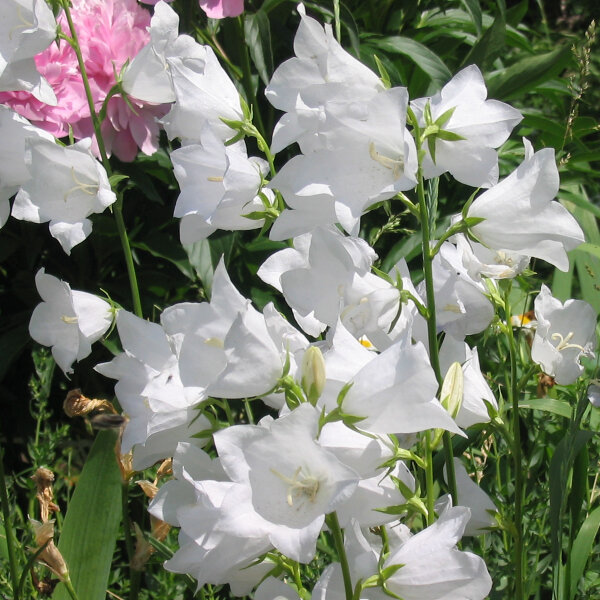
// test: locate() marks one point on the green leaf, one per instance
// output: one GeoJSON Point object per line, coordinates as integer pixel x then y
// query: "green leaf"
{"type": "Point", "coordinates": [269, 5]}
{"type": "Point", "coordinates": [199, 255]}
{"type": "Point", "coordinates": [489, 46]}
{"type": "Point", "coordinates": [162, 246]}
{"type": "Point", "coordinates": [527, 73]}
{"type": "Point", "coordinates": [582, 548]}
{"type": "Point", "coordinates": [560, 465]}
{"type": "Point", "coordinates": [592, 249]}
{"type": "Point", "coordinates": [474, 9]}
{"type": "Point", "coordinates": [89, 533]}
{"type": "Point", "coordinates": [551, 405]}
{"type": "Point", "coordinates": [587, 263]}
{"type": "Point", "coordinates": [562, 282]}
{"type": "Point", "coordinates": [424, 58]}
{"type": "Point", "coordinates": [257, 33]}
{"type": "Point", "coordinates": [3, 544]}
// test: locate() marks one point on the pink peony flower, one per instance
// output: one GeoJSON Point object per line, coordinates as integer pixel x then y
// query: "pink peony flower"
{"type": "Point", "coordinates": [110, 32]}
{"type": "Point", "coordinates": [215, 9]}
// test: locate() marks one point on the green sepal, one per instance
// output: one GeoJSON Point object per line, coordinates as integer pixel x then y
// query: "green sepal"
{"type": "Point", "coordinates": [449, 136]}
{"type": "Point", "coordinates": [445, 117]}
{"type": "Point", "coordinates": [383, 74]}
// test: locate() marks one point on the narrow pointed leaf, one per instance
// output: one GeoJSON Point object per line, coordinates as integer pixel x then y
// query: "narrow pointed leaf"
{"type": "Point", "coordinates": [89, 533]}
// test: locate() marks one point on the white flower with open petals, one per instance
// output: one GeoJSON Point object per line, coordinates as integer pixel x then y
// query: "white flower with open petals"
{"type": "Point", "coordinates": [219, 185]}
{"type": "Point", "coordinates": [564, 332]}
{"type": "Point", "coordinates": [68, 320]}
{"type": "Point", "coordinates": [67, 185]}
{"type": "Point", "coordinates": [433, 568]}
{"type": "Point", "coordinates": [294, 482]}
{"type": "Point", "coordinates": [26, 28]}
{"type": "Point", "coordinates": [521, 215]}
{"type": "Point", "coordinates": [322, 72]}
{"type": "Point", "coordinates": [13, 172]}
{"type": "Point", "coordinates": [483, 124]}
{"type": "Point", "coordinates": [175, 68]}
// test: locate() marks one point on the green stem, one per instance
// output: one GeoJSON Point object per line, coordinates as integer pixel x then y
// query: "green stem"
{"type": "Point", "coordinates": [69, 585]}
{"type": "Point", "coordinates": [513, 394]}
{"type": "Point", "coordinates": [428, 255]}
{"type": "Point", "coordinates": [118, 205]}
{"type": "Point", "coordinates": [133, 284]}
{"type": "Point", "coordinates": [10, 539]}
{"type": "Point", "coordinates": [134, 574]}
{"type": "Point", "coordinates": [450, 472]}
{"type": "Point", "coordinates": [429, 479]}
{"type": "Point", "coordinates": [338, 538]}
{"type": "Point", "coordinates": [74, 43]}
{"type": "Point", "coordinates": [247, 76]}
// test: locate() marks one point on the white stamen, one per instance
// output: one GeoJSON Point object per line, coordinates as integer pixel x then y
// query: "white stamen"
{"type": "Point", "coordinates": [563, 343]}
{"type": "Point", "coordinates": [395, 165]}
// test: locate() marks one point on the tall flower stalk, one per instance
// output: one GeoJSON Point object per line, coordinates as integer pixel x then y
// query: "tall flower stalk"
{"type": "Point", "coordinates": [73, 41]}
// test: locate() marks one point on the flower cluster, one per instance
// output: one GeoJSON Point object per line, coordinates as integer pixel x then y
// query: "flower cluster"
{"type": "Point", "coordinates": [357, 386]}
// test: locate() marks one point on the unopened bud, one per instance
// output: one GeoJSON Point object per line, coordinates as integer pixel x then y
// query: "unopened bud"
{"type": "Point", "coordinates": [313, 374]}
{"type": "Point", "coordinates": [452, 389]}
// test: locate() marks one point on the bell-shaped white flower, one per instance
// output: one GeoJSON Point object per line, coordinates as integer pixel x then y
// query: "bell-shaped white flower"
{"type": "Point", "coordinates": [337, 266]}
{"type": "Point", "coordinates": [68, 320]}
{"type": "Point", "coordinates": [564, 332]}
{"type": "Point", "coordinates": [13, 171]}
{"type": "Point", "coordinates": [396, 392]}
{"type": "Point", "coordinates": [321, 74]}
{"type": "Point", "coordinates": [175, 68]}
{"type": "Point", "coordinates": [461, 305]}
{"type": "Point", "coordinates": [364, 159]}
{"type": "Point", "coordinates": [26, 28]}
{"type": "Point", "coordinates": [294, 482]}
{"type": "Point", "coordinates": [457, 575]}
{"type": "Point", "coordinates": [67, 185]}
{"type": "Point", "coordinates": [481, 261]}
{"type": "Point", "coordinates": [483, 125]}
{"type": "Point", "coordinates": [521, 216]}
{"type": "Point", "coordinates": [219, 185]}
{"type": "Point", "coordinates": [256, 349]}
{"type": "Point", "coordinates": [160, 409]}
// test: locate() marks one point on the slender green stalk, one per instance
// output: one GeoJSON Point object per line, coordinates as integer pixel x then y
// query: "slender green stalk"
{"type": "Point", "coordinates": [134, 574]}
{"type": "Point", "coordinates": [118, 205]}
{"type": "Point", "coordinates": [10, 537]}
{"type": "Point", "coordinates": [74, 43]}
{"type": "Point", "coordinates": [69, 585]}
{"type": "Point", "coordinates": [338, 538]}
{"type": "Point", "coordinates": [426, 220]}
{"type": "Point", "coordinates": [133, 284]}
{"type": "Point", "coordinates": [513, 395]}
{"type": "Point", "coordinates": [247, 76]}
{"type": "Point", "coordinates": [429, 479]}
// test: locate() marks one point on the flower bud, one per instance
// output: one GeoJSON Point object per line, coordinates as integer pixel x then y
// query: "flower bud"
{"type": "Point", "coordinates": [313, 373]}
{"type": "Point", "coordinates": [452, 389]}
